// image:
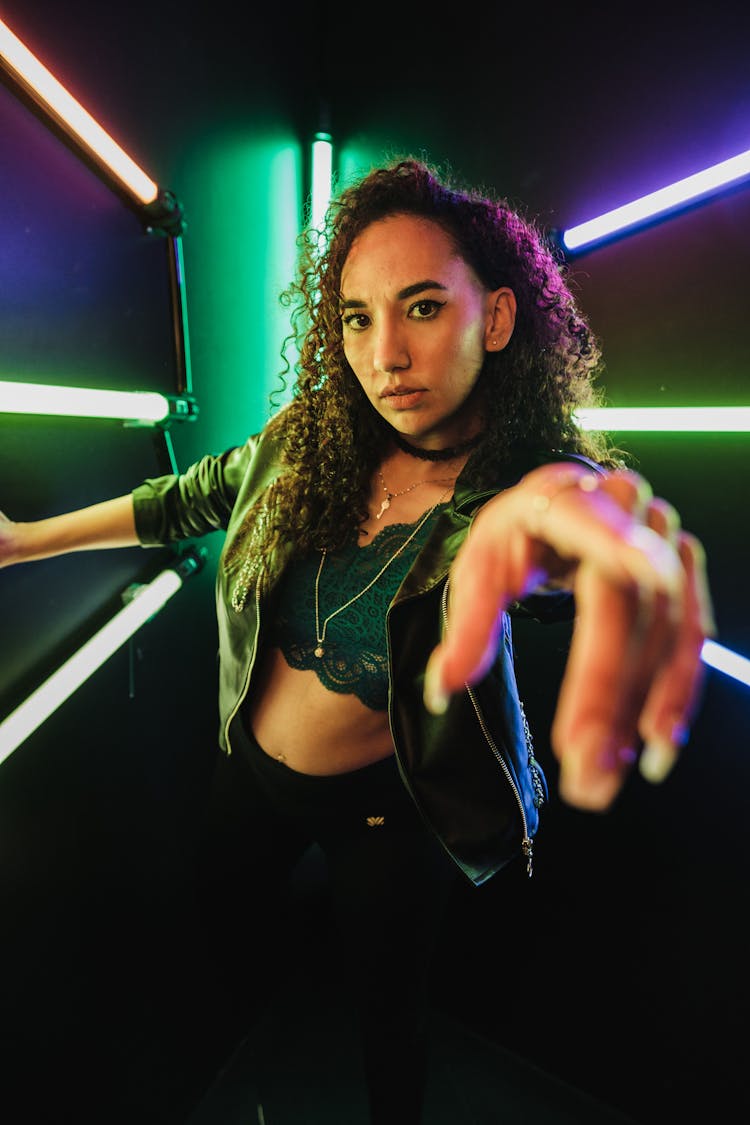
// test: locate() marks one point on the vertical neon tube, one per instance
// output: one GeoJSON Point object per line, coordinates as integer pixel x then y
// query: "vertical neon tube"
{"type": "Point", "coordinates": [322, 178]}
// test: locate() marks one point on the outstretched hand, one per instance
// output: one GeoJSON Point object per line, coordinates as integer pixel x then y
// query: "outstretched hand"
{"type": "Point", "coordinates": [633, 676]}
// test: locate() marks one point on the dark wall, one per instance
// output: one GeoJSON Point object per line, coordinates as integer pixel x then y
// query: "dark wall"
{"type": "Point", "coordinates": [621, 965]}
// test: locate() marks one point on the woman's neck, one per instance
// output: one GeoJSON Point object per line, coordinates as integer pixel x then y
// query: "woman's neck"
{"type": "Point", "coordinates": [445, 454]}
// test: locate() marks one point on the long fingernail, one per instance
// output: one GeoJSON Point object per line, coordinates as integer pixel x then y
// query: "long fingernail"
{"type": "Point", "coordinates": [657, 759]}
{"type": "Point", "coordinates": [659, 753]}
{"type": "Point", "coordinates": [435, 696]}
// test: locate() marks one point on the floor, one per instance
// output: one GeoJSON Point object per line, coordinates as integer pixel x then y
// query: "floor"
{"type": "Point", "coordinates": [135, 1033]}
{"type": "Point", "coordinates": [300, 1067]}
{"type": "Point", "coordinates": [300, 1064]}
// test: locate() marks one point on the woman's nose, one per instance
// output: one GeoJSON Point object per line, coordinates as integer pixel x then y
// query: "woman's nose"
{"type": "Point", "coordinates": [390, 348]}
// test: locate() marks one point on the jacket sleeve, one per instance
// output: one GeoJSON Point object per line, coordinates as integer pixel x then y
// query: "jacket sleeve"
{"type": "Point", "coordinates": [193, 503]}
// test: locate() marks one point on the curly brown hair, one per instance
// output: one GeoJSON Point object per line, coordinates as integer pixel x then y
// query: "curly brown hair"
{"type": "Point", "coordinates": [332, 439]}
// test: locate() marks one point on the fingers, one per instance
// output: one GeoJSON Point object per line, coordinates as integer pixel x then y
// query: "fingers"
{"type": "Point", "coordinates": [531, 534]}
{"type": "Point", "coordinates": [643, 609]}
{"type": "Point", "coordinates": [6, 530]}
{"type": "Point", "coordinates": [483, 580]}
{"type": "Point", "coordinates": [674, 697]}
{"type": "Point", "coordinates": [621, 638]}
{"type": "Point", "coordinates": [638, 679]}
{"type": "Point", "coordinates": [623, 634]}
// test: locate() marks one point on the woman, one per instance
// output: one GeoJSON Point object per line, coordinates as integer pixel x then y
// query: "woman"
{"type": "Point", "coordinates": [426, 481]}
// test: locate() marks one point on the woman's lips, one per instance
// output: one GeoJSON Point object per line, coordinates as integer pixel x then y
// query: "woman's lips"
{"type": "Point", "coordinates": [403, 399]}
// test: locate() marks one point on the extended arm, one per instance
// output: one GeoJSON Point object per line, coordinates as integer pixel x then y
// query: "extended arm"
{"type": "Point", "coordinates": [109, 524]}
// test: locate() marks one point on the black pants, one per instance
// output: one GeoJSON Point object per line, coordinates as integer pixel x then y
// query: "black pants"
{"type": "Point", "coordinates": [388, 879]}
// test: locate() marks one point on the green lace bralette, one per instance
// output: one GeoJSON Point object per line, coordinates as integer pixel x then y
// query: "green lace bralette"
{"type": "Point", "coordinates": [355, 659]}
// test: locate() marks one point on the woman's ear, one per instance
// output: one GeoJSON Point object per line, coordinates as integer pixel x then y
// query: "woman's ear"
{"type": "Point", "coordinates": [501, 319]}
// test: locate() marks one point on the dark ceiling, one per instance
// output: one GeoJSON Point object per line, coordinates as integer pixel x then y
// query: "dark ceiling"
{"type": "Point", "coordinates": [567, 113]}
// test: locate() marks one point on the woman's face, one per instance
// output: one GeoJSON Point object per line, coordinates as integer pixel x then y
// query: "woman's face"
{"type": "Point", "coordinates": [417, 323]}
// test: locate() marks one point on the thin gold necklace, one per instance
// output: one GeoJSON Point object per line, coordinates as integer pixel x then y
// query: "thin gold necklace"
{"type": "Point", "coordinates": [386, 501]}
{"type": "Point", "coordinates": [320, 634]}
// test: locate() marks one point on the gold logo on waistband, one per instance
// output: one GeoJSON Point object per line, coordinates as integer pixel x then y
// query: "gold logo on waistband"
{"type": "Point", "coordinates": [375, 821]}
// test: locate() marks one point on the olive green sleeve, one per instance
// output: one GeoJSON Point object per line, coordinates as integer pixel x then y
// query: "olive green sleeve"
{"type": "Point", "coordinates": [193, 503]}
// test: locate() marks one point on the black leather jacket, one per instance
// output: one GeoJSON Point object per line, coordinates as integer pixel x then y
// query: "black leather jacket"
{"type": "Point", "coordinates": [470, 771]}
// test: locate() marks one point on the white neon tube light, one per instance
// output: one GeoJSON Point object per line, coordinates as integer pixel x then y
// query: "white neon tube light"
{"type": "Point", "coordinates": [684, 419]}
{"type": "Point", "coordinates": [698, 186]}
{"type": "Point", "coordinates": [147, 601]}
{"type": "Point", "coordinates": [80, 402]}
{"type": "Point", "coordinates": [322, 172]}
{"type": "Point", "coordinates": [724, 660]}
{"type": "Point", "coordinates": [69, 113]}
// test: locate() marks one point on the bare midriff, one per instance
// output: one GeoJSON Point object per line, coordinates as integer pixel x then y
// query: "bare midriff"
{"type": "Point", "coordinates": [322, 732]}
{"type": "Point", "coordinates": [293, 716]}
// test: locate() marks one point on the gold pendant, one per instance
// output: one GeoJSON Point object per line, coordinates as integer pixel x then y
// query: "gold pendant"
{"type": "Point", "coordinates": [383, 507]}
{"type": "Point", "coordinates": [319, 651]}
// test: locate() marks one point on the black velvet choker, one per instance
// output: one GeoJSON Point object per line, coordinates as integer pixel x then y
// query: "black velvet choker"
{"type": "Point", "coordinates": [438, 454]}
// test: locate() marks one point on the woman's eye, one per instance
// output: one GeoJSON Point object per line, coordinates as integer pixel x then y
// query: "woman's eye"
{"type": "Point", "coordinates": [424, 310]}
{"type": "Point", "coordinates": [356, 321]}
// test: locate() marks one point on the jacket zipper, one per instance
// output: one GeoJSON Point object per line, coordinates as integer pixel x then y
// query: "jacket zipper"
{"type": "Point", "coordinates": [249, 672]}
{"type": "Point", "coordinates": [527, 843]}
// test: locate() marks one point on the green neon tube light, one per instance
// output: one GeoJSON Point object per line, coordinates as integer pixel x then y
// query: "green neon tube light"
{"type": "Point", "coordinates": [700, 185]}
{"type": "Point", "coordinates": [38, 398]}
{"type": "Point", "coordinates": [667, 419]}
{"type": "Point", "coordinates": [63, 108]}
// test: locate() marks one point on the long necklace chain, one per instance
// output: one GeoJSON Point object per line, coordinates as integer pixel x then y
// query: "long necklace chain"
{"type": "Point", "coordinates": [242, 586]}
{"type": "Point", "coordinates": [320, 634]}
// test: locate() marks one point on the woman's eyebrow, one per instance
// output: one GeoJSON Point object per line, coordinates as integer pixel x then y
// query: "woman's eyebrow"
{"type": "Point", "coordinates": [418, 287]}
{"type": "Point", "coordinates": [409, 291]}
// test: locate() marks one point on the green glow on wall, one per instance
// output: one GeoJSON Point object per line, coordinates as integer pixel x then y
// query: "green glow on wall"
{"type": "Point", "coordinates": [240, 253]}
{"type": "Point", "coordinates": [356, 158]}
